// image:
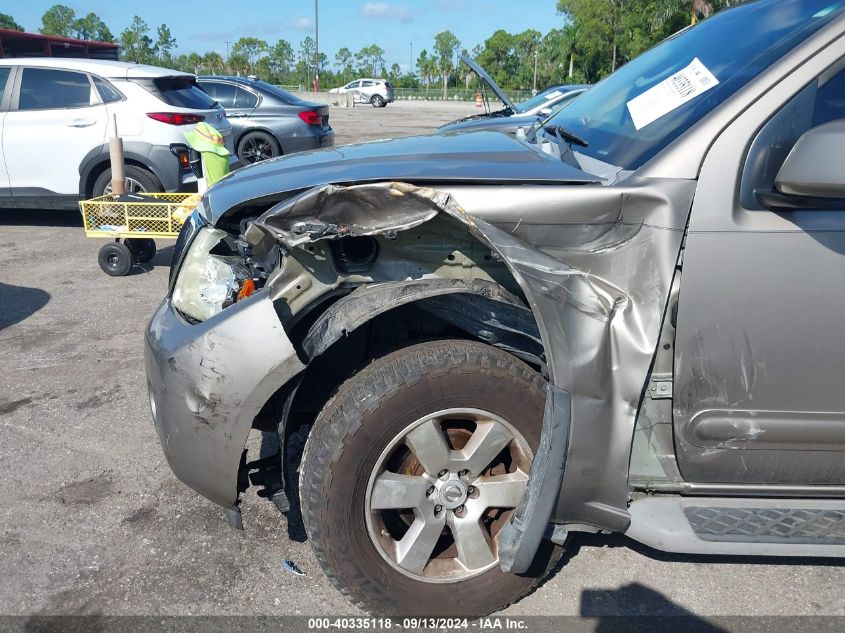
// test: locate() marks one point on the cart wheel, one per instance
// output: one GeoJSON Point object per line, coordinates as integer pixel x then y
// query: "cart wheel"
{"type": "Point", "coordinates": [116, 259]}
{"type": "Point", "coordinates": [143, 248]}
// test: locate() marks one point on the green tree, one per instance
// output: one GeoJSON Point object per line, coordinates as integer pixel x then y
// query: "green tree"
{"type": "Point", "coordinates": [343, 62]}
{"type": "Point", "coordinates": [498, 58]}
{"type": "Point", "coordinates": [370, 60]}
{"type": "Point", "coordinates": [165, 43]}
{"type": "Point", "coordinates": [91, 27]}
{"type": "Point", "coordinates": [212, 63]}
{"type": "Point", "coordinates": [445, 45]}
{"type": "Point", "coordinates": [237, 64]}
{"type": "Point", "coordinates": [525, 45]}
{"type": "Point", "coordinates": [8, 22]}
{"type": "Point", "coordinates": [280, 60]}
{"type": "Point", "coordinates": [250, 48]}
{"type": "Point", "coordinates": [305, 65]}
{"type": "Point", "coordinates": [58, 20]}
{"type": "Point", "coordinates": [427, 68]}
{"type": "Point", "coordinates": [136, 44]}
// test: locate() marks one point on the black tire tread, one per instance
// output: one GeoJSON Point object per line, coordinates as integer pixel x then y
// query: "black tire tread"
{"type": "Point", "coordinates": [341, 418]}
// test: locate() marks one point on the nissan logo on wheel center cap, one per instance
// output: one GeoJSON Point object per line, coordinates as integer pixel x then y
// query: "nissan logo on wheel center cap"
{"type": "Point", "coordinates": [453, 494]}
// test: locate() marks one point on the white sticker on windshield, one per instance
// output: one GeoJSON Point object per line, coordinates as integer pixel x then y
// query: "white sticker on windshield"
{"type": "Point", "coordinates": [671, 93]}
{"type": "Point", "coordinates": [554, 94]}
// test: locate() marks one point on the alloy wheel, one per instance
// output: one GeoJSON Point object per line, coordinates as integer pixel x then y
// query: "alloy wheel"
{"type": "Point", "coordinates": [131, 185]}
{"type": "Point", "coordinates": [255, 150]}
{"type": "Point", "coordinates": [441, 491]}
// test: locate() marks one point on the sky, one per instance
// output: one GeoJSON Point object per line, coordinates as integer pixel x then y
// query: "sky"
{"type": "Point", "coordinates": [396, 26]}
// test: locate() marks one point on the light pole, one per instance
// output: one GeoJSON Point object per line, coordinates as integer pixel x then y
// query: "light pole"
{"type": "Point", "coordinates": [411, 61]}
{"type": "Point", "coordinates": [316, 47]}
{"type": "Point", "coordinates": [535, 72]}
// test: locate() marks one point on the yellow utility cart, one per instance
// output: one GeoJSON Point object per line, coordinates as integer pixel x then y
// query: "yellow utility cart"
{"type": "Point", "coordinates": [132, 222]}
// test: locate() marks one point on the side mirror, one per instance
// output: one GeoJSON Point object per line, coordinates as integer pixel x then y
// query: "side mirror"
{"type": "Point", "coordinates": [812, 176]}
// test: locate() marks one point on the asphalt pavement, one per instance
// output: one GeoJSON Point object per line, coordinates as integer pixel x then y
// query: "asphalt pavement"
{"type": "Point", "coordinates": [93, 521]}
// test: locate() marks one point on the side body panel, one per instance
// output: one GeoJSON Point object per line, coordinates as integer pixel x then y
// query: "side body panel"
{"type": "Point", "coordinates": [759, 349]}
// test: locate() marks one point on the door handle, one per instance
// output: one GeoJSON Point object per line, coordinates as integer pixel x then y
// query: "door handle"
{"type": "Point", "coordinates": [81, 123]}
{"type": "Point", "coordinates": [236, 115]}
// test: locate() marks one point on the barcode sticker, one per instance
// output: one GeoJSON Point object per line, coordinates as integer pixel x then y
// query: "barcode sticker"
{"type": "Point", "coordinates": [671, 93]}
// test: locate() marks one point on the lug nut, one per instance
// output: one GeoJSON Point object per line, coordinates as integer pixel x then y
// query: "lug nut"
{"type": "Point", "coordinates": [443, 473]}
{"type": "Point", "coordinates": [438, 509]}
{"type": "Point", "coordinates": [471, 490]}
{"type": "Point", "coordinates": [463, 473]}
{"type": "Point", "coordinates": [430, 491]}
{"type": "Point", "coordinates": [460, 511]}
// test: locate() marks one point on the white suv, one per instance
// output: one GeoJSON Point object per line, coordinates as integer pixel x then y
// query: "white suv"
{"type": "Point", "coordinates": [377, 92]}
{"type": "Point", "coordinates": [56, 116]}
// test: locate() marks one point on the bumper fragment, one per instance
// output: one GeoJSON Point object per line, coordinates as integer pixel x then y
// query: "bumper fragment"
{"type": "Point", "coordinates": [208, 381]}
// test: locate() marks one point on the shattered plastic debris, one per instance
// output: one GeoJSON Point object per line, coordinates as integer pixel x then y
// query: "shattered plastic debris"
{"type": "Point", "coordinates": [290, 566]}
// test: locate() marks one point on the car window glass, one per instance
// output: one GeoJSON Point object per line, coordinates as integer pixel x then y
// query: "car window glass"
{"type": "Point", "coordinates": [224, 94]}
{"type": "Point", "coordinates": [830, 100]}
{"type": "Point", "coordinates": [46, 88]}
{"type": "Point", "coordinates": [108, 93]}
{"type": "Point", "coordinates": [181, 91]}
{"type": "Point", "coordinates": [352, 84]}
{"type": "Point", "coordinates": [367, 84]}
{"type": "Point", "coordinates": [245, 99]}
{"type": "Point", "coordinates": [4, 77]}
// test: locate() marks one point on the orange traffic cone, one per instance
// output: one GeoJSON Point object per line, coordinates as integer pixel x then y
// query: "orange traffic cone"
{"type": "Point", "coordinates": [477, 99]}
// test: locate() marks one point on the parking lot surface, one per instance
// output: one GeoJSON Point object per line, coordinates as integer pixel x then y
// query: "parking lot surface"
{"type": "Point", "coordinates": [93, 521]}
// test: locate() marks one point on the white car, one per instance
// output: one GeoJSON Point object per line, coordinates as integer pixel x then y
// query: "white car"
{"type": "Point", "coordinates": [377, 92]}
{"type": "Point", "coordinates": [56, 117]}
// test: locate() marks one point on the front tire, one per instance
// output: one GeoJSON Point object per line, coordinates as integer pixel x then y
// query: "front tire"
{"type": "Point", "coordinates": [411, 470]}
{"type": "Point", "coordinates": [378, 101]}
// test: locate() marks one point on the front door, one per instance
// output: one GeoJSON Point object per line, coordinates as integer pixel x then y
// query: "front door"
{"type": "Point", "coordinates": [56, 118]}
{"type": "Point", "coordinates": [5, 73]}
{"type": "Point", "coordinates": [759, 392]}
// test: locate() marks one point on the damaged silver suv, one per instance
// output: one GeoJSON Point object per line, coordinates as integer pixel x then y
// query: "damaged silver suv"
{"type": "Point", "coordinates": [626, 320]}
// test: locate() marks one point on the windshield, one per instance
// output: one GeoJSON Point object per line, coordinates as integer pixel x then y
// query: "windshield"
{"type": "Point", "coordinates": [641, 108]}
{"type": "Point", "coordinates": [544, 97]}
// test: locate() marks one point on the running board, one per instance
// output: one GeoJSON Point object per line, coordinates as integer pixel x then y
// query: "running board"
{"type": "Point", "coordinates": [740, 526]}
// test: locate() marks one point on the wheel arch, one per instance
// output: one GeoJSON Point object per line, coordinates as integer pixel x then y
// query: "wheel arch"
{"type": "Point", "coordinates": [338, 334]}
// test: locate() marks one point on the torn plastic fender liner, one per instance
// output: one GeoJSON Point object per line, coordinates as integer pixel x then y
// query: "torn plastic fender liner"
{"type": "Point", "coordinates": [521, 536]}
{"type": "Point", "coordinates": [367, 302]}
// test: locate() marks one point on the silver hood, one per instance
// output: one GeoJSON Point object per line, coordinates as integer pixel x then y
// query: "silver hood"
{"type": "Point", "coordinates": [484, 157]}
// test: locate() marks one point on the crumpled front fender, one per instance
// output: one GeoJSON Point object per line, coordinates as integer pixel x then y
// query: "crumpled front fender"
{"type": "Point", "coordinates": [597, 283]}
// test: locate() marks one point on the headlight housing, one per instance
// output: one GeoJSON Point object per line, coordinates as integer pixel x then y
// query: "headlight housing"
{"type": "Point", "coordinates": [211, 276]}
